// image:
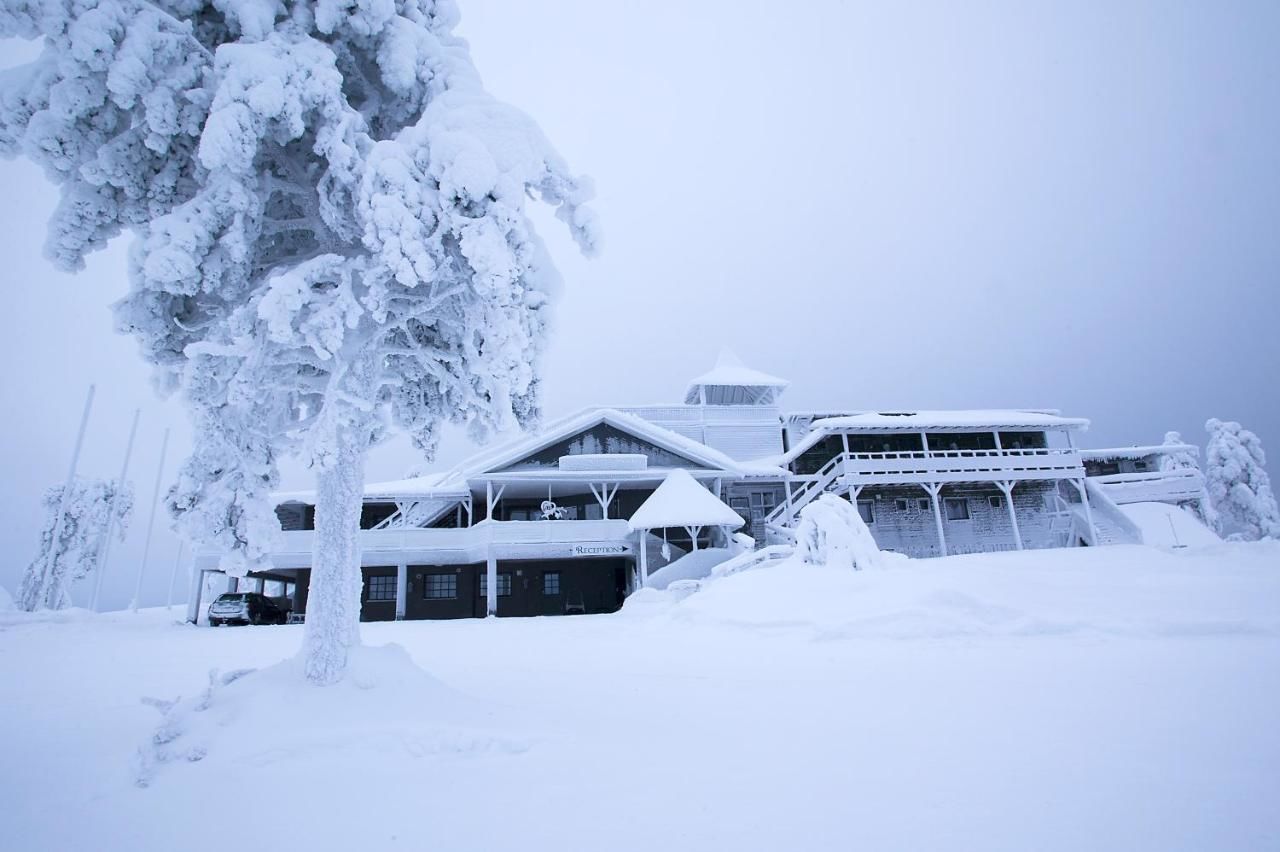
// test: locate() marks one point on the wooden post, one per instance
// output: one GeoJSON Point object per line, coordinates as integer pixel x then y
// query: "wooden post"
{"type": "Point", "coordinates": [644, 558]}
{"type": "Point", "coordinates": [1006, 488]}
{"type": "Point", "coordinates": [1088, 512]}
{"type": "Point", "coordinates": [491, 582]}
{"type": "Point", "coordinates": [402, 588]}
{"type": "Point", "coordinates": [935, 491]}
{"type": "Point", "coordinates": [194, 595]}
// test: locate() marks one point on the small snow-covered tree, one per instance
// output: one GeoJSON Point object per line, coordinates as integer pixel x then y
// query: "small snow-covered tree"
{"type": "Point", "coordinates": [86, 517]}
{"type": "Point", "coordinates": [1237, 481]}
{"type": "Point", "coordinates": [332, 239]}
{"type": "Point", "coordinates": [831, 532]}
{"type": "Point", "coordinates": [1185, 459]}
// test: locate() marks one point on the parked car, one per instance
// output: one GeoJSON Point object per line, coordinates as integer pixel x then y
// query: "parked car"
{"type": "Point", "coordinates": [246, 608]}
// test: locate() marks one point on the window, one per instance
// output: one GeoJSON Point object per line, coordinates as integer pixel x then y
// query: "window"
{"type": "Point", "coordinates": [382, 588]}
{"type": "Point", "coordinates": [901, 505]}
{"type": "Point", "coordinates": [957, 508]}
{"type": "Point", "coordinates": [924, 504]}
{"type": "Point", "coordinates": [440, 586]}
{"type": "Point", "coordinates": [996, 501]}
{"type": "Point", "coordinates": [504, 585]}
{"type": "Point", "coordinates": [1139, 465]}
{"type": "Point", "coordinates": [551, 582]}
{"type": "Point", "coordinates": [867, 513]}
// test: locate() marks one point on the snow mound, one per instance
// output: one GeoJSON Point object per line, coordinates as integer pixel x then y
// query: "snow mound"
{"type": "Point", "coordinates": [831, 532]}
{"type": "Point", "coordinates": [385, 706]}
{"type": "Point", "coordinates": [692, 566]}
{"type": "Point", "coordinates": [1129, 590]}
{"type": "Point", "coordinates": [1163, 525]}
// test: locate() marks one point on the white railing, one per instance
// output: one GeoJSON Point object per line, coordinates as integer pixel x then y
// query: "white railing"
{"type": "Point", "coordinates": [452, 544]}
{"type": "Point", "coordinates": [1159, 486]}
{"type": "Point", "coordinates": [962, 465]}
{"type": "Point", "coordinates": [852, 470]}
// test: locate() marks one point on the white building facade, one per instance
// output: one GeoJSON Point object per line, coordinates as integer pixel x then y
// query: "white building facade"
{"type": "Point", "coordinates": [540, 525]}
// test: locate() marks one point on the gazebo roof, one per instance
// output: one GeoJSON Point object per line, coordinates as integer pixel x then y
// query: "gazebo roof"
{"type": "Point", "coordinates": [681, 502]}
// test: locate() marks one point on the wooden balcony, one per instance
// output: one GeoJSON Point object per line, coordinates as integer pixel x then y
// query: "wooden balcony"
{"type": "Point", "coordinates": [464, 545]}
{"type": "Point", "coordinates": [863, 469]}
{"type": "Point", "coordinates": [1158, 486]}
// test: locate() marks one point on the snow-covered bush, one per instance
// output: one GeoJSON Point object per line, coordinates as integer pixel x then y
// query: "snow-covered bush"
{"type": "Point", "coordinates": [1186, 460]}
{"type": "Point", "coordinates": [87, 514]}
{"type": "Point", "coordinates": [332, 239]}
{"type": "Point", "coordinates": [1237, 482]}
{"type": "Point", "coordinates": [831, 532]}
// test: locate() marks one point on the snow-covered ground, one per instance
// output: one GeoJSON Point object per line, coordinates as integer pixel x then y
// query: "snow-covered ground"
{"type": "Point", "coordinates": [1119, 698]}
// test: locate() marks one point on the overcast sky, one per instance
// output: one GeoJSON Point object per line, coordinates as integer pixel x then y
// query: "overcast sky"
{"type": "Point", "coordinates": [1073, 206]}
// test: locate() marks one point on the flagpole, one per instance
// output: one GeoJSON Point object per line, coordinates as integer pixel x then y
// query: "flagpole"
{"type": "Point", "coordinates": [60, 518]}
{"type": "Point", "coordinates": [151, 523]}
{"type": "Point", "coordinates": [105, 549]}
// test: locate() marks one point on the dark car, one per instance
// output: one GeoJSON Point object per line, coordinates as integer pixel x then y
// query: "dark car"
{"type": "Point", "coordinates": [246, 608]}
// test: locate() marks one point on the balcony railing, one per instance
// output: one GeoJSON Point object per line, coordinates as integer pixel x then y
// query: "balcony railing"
{"type": "Point", "coordinates": [460, 545]}
{"type": "Point", "coordinates": [1159, 486]}
{"type": "Point", "coordinates": [962, 465]}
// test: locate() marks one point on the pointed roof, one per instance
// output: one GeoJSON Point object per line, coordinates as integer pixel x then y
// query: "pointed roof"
{"type": "Point", "coordinates": [729, 370]}
{"type": "Point", "coordinates": [680, 501]}
{"type": "Point", "coordinates": [696, 453]}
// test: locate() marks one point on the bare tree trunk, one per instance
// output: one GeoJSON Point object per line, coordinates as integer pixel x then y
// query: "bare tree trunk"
{"type": "Point", "coordinates": [333, 600]}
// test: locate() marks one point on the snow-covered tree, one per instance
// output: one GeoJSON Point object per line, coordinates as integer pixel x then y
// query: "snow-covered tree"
{"type": "Point", "coordinates": [1237, 481]}
{"type": "Point", "coordinates": [86, 517]}
{"type": "Point", "coordinates": [332, 239]}
{"type": "Point", "coordinates": [1185, 459]}
{"type": "Point", "coordinates": [831, 532]}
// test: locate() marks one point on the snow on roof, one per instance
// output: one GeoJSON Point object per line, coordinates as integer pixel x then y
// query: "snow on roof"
{"type": "Point", "coordinates": [681, 502]}
{"type": "Point", "coordinates": [974, 420]}
{"type": "Point", "coordinates": [431, 485]}
{"type": "Point", "coordinates": [512, 452]}
{"type": "Point", "coordinates": [729, 370]}
{"type": "Point", "coordinates": [1109, 453]}
{"type": "Point", "coordinates": [961, 420]}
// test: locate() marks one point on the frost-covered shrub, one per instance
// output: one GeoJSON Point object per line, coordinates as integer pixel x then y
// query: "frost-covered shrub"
{"type": "Point", "coordinates": [831, 532]}
{"type": "Point", "coordinates": [1237, 482]}
{"type": "Point", "coordinates": [86, 516]}
{"type": "Point", "coordinates": [331, 239]}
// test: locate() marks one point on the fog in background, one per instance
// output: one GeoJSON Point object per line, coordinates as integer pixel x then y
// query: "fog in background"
{"type": "Point", "coordinates": [968, 205]}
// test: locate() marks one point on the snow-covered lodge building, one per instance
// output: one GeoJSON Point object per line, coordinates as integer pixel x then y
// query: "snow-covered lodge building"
{"type": "Point", "coordinates": [575, 517]}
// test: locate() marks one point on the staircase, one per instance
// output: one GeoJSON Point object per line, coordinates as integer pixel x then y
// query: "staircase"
{"type": "Point", "coordinates": [1112, 526]}
{"type": "Point", "coordinates": [828, 478]}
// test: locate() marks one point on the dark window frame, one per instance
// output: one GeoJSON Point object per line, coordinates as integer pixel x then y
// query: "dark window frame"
{"type": "Point", "coordinates": [960, 503]}
{"type": "Point", "coordinates": [376, 588]}
{"type": "Point", "coordinates": [433, 586]}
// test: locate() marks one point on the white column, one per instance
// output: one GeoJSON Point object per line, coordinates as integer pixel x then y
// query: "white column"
{"type": "Point", "coordinates": [935, 491]}
{"type": "Point", "coordinates": [193, 597]}
{"type": "Point", "coordinates": [1088, 512]}
{"type": "Point", "coordinates": [488, 501]}
{"type": "Point", "coordinates": [402, 588]}
{"type": "Point", "coordinates": [491, 578]}
{"type": "Point", "coordinates": [1006, 488]}
{"type": "Point", "coordinates": [644, 558]}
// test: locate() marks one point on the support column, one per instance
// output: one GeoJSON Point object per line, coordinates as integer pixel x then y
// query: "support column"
{"type": "Point", "coordinates": [194, 595]}
{"type": "Point", "coordinates": [935, 490]}
{"type": "Point", "coordinates": [491, 580]}
{"type": "Point", "coordinates": [402, 588]}
{"type": "Point", "coordinates": [1088, 512]}
{"type": "Point", "coordinates": [644, 558]}
{"type": "Point", "coordinates": [1006, 488]}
